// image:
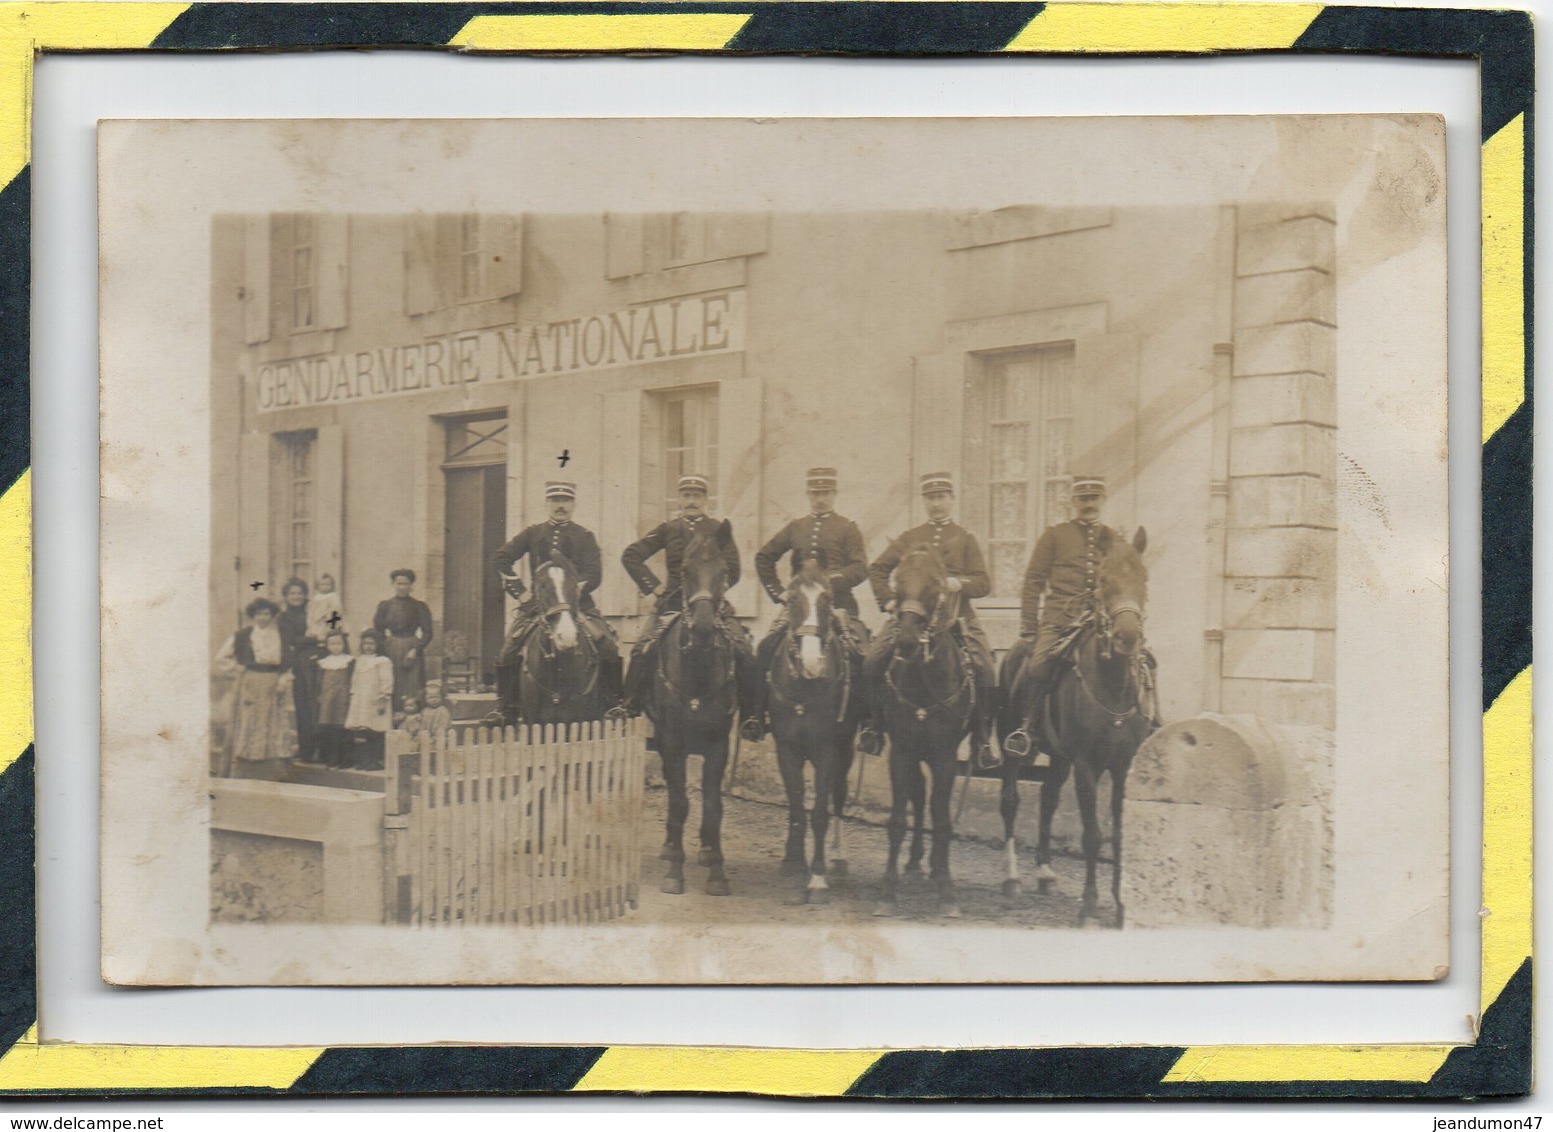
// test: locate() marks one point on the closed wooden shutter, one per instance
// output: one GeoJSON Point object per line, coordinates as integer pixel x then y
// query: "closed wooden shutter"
{"type": "Point", "coordinates": [420, 258]}
{"type": "Point", "coordinates": [253, 516]}
{"type": "Point", "coordinates": [938, 420]}
{"type": "Point", "coordinates": [620, 495]}
{"type": "Point", "coordinates": [623, 239]}
{"type": "Point", "coordinates": [1105, 387]}
{"type": "Point", "coordinates": [256, 279]}
{"type": "Point", "coordinates": [740, 462]}
{"type": "Point", "coordinates": [501, 239]}
{"type": "Point", "coordinates": [329, 504]}
{"type": "Point", "coordinates": [333, 233]}
{"type": "Point", "coordinates": [734, 234]}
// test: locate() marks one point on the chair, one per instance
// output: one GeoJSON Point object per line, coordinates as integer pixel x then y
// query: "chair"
{"type": "Point", "coordinates": [460, 667]}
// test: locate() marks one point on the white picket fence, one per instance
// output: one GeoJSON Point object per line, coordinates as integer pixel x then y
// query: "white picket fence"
{"type": "Point", "coordinates": [534, 825]}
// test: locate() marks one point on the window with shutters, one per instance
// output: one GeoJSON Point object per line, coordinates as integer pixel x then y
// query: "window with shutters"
{"type": "Point", "coordinates": [453, 259]}
{"type": "Point", "coordinates": [294, 482]}
{"type": "Point", "coordinates": [687, 426]}
{"type": "Point", "coordinates": [1022, 469]}
{"type": "Point", "coordinates": [643, 244]}
{"type": "Point", "coordinates": [304, 271]}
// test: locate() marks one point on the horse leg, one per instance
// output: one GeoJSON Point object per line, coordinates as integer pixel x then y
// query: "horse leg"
{"type": "Point", "coordinates": [790, 763]}
{"type": "Point", "coordinates": [1085, 784]}
{"type": "Point", "coordinates": [943, 831]}
{"type": "Point", "coordinates": [679, 810]}
{"type": "Point", "coordinates": [1118, 794]}
{"type": "Point", "coordinates": [1051, 794]}
{"type": "Point", "coordinates": [1008, 806]}
{"type": "Point", "coordinates": [713, 764]}
{"type": "Point", "coordinates": [824, 759]}
{"type": "Point", "coordinates": [841, 770]}
{"type": "Point", "coordinates": [919, 806]}
{"type": "Point", "coordinates": [900, 790]}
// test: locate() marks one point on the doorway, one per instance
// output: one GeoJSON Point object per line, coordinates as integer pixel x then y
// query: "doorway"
{"type": "Point", "coordinates": [474, 474]}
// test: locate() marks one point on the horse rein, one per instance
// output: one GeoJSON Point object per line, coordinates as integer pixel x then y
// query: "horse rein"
{"type": "Point", "coordinates": [967, 680]}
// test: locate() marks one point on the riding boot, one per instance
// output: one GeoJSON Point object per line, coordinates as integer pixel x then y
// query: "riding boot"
{"type": "Point", "coordinates": [752, 702]}
{"type": "Point", "coordinates": [611, 687]}
{"type": "Point", "coordinates": [1022, 743]}
{"type": "Point", "coordinates": [506, 713]}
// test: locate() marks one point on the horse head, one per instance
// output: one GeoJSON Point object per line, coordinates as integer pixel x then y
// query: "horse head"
{"type": "Point", "coordinates": [556, 592]}
{"type": "Point", "coordinates": [809, 607]}
{"type": "Point", "coordinates": [1124, 592]}
{"type": "Point", "coordinates": [704, 577]}
{"type": "Point", "coordinates": [920, 585]}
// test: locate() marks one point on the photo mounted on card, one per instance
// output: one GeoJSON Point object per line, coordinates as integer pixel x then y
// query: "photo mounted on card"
{"type": "Point", "coordinates": [781, 551]}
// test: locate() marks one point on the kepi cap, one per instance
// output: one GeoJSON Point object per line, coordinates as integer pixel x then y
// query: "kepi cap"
{"type": "Point", "coordinates": [560, 489]}
{"type": "Point", "coordinates": [693, 481]}
{"type": "Point", "coordinates": [820, 479]}
{"type": "Point", "coordinates": [937, 481]}
{"type": "Point", "coordinates": [1088, 485]}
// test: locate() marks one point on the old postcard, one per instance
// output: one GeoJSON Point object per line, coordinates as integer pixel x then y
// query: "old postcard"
{"type": "Point", "coordinates": [780, 551]}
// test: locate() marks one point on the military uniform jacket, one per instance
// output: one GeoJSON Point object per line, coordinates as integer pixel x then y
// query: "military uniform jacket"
{"type": "Point", "coordinates": [537, 542]}
{"type": "Point", "coordinates": [957, 549]}
{"type": "Point", "coordinates": [672, 538]}
{"type": "Point", "coordinates": [1065, 566]}
{"type": "Point", "coordinates": [838, 539]}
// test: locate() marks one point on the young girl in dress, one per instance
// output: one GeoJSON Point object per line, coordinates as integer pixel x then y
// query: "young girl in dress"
{"type": "Point", "coordinates": [372, 700]}
{"type": "Point", "coordinates": [333, 677]}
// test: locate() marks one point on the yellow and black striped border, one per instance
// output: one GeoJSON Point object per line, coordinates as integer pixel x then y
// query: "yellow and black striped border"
{"type": "Point", "coordinates": [1497, 1064]}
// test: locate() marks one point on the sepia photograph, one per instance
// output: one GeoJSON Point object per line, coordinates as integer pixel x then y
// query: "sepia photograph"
{"type": "Point", "coordinates": [789, 551]}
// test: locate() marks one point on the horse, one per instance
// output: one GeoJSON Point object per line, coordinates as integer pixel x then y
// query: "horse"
{"type": "Point", "coordinates": [1098, 710]}
{"type": "Point", "coordinates": [692, 703]}
{"type": "Point", "coordinates": [814, 709]}
{"type": "Point", "coordinates": [925, 695]}
{"type": "Point", "coordinates": [559, 679]}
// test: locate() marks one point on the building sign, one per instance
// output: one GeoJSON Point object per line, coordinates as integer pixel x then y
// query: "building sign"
{"type": "Point", "coordinates": [659, 332]}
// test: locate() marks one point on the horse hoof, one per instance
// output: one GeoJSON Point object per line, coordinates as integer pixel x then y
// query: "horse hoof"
{"type": "Point", "coordinates": [666, 854]}
{"type": "Point", "coordinates": [838, 867]}
{"type": "Point", "coordinates": [886, 908]}
{"type": "Point", "coordinates": [817, 896]}
{"type": "Point", "coordinates": [1043, 887]}
{"type": "Point", "coordinates": [1012, 888]}
{"type": "Point", "coordinates": [1121, 918]}
{"type": "Point", "coordinates": [951, 911]}
{"type": "Point", "coordinates": [674, 886]}
{"type": "Point", "coordinates": [913, 870]}
{"type": "Point", "coordinates": [718, 888]}
{"type": "Point", "coordinates": [794, 868]}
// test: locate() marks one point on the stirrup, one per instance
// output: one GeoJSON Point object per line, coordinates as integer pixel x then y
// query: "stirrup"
{"type": "Point", "coordinates": [617, 714]}
{"type": "Point", "coordinates": [869, 741]}
{"type": "Point", "coordinates": [752, 730]}
{"type": "Point", "coordinates": [496, 718]}
{"type": "Point", "coordinates": [988, 757]}
{"type": "Point", "coordinates": [1017, 744]}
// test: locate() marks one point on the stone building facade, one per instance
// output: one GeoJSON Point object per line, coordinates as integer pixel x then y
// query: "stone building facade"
{"type": "Point", "coordinates": [394, 391]}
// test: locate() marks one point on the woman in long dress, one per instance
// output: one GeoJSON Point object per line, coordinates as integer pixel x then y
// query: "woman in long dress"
{"type": "Point", "coordinates": [305, 651]}
{"type": "Point", "coordinates": [263, 731]}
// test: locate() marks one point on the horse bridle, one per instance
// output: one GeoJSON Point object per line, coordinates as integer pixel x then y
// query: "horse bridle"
{"type": "Point", "coordinates": [685, 645]}
{"type": "Point", "coordinates": [550, 652]}
{"type": "Point", "coordinates": [967, 681]}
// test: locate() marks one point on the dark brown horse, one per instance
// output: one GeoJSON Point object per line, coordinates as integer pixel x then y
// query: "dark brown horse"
{"type": "Point", "coordinates": [560, 674]}
{"type": "Point", "coordinates": [1098, 712]}
{"type": "Point", "coordinates": [692, 705]}
{"type": "Point", "coordinates": [925, 693]}
{"type": "Point", "coordinates": [814, 709]}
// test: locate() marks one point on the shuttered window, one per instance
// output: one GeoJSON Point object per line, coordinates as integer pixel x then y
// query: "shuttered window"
{"type": "Point", "coordinates": [295, 503]}
{"type": "Point", "coordinates": [688, 428]}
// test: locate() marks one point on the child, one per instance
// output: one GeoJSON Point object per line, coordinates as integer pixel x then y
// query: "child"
{"type": "Point", "coordinates": [410, 718]}
{"type": "Point", "coordinates": [436, 719]}
{"type": "Point", "coordinates": [333, 679]}
{"type": "Point", "coordinates": [325, 611]}
{"type": "Point", "coordinates": [372, 698]}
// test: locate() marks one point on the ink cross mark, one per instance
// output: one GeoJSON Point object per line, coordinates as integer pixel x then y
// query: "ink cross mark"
{"type": "Point", "coordinates": [256, 585]}
{"type": "Point", "coordinates": [333, 620]}
{"type": "Point", "coordinates": [566, 454]}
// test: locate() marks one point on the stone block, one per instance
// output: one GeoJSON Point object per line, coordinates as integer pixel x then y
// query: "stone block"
{"type": "Point", "coordinates": [1253, 214]}
{"type": "Point", "coordinates": [1307, 295]}
{"type": "Point", "coordinates": [1228, 822]}
{"type": "Point", "coordinates": [1270, 654]}
{"type": "Point", "coordinates": [1281, 501]}
{"type": "Point", "coordinates": [1280, 603]}
{"type": "Point", "coordinates": [1290, 347]}
{"type": "Point", "coordinates": [1281, 552]}
{"type": "Point", "coordinates": [1293, 702]}
{"type": "Point", "coordinates": [1283, 398]}
{"type": "Point", "coordinates": [1286, 245]}
{"type": "Point", "coordinates": [1283, 450]}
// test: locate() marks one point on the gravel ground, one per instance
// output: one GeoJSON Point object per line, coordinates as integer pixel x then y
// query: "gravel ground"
{"type": "Point", "coordinates": [754, 834]}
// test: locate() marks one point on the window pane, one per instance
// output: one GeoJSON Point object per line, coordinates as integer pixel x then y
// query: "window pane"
{"type": "Point", "coordinates": [302, 540]}
{"type": "Point", "coordinates": [1008, 510]}
{"type": "Point", "coordinates": [302, 499]}
{"type": "Point", "coordinates": [1010, 449]}
{"type": "Point", "coordinates": [674, 422]}
{"type": "Point", "coordinates": [1008, 568]}
{"type": "Point", "coordinates": [1057, 510]}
